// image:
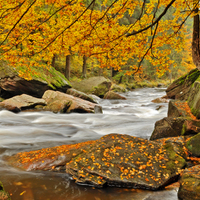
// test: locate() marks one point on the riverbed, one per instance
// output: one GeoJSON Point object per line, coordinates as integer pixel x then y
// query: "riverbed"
{"type": "Point", "coordinates": [27, 131]}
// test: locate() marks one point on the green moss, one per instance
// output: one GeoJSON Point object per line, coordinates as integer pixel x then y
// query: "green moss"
{"type": "Point", "coordinates": [183, 129]}
{"type": "Point", "coordinates": [3, 194]}
{"type": "Point", "coordinates": [193, 145]}
{"type": "Point", "coordinates": [173, 156]}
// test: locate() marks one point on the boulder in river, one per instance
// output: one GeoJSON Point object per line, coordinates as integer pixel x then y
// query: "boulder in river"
{"type": "Point", "coordinates": [179, 108]}
{"type": "Point", "coordinates": [94, 85]}
{"type": "Point", "coordinates": [64, 103]}
{"type": "Point", "coordinates": [79, 94]}
{"type": "Point", "coordinates": [21, 102]}
{"type": "Point", "coordinates": [42, 79]}
{"type": "Point", "coordinates": [190, 184]}
{"type": "Point", "coordinates": [126, 161]}
{"type": "Point", "coordinates": [113, 95]}
{"type": "Point", "coordinates": [193, 145]}
{"type": "Point", "coordinates": [113, 160]}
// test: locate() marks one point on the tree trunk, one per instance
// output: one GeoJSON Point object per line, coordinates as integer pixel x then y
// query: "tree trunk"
{"type": "Point", "coordinates": [67, 67]}
{"type": "Point", "coordinates": [84, 66]}
{"type": "Point", "coordinates": [195, 40]}
{"type": "Point", "coordinates": [53, 60]}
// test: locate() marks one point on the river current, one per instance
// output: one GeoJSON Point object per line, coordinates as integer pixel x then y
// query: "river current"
{"type": "Point", "coordinates": [27, 131]}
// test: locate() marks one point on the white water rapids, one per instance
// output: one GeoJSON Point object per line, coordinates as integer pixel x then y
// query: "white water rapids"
{"type": "Point", "coordinates": [27, 131]}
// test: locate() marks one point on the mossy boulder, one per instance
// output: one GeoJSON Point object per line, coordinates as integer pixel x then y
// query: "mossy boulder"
{"type": "Point", "coordinates": [118, 88]}
{"type": "Point", "coordinates": [180, 88]}
{"type": "Point", "coordinates": [194, 98]}
{"type": "Point", "coordinates": [113, 160]}
{"type": "Point", "coordinates": [193, 145]}
{"type": "Point", "coordinates": [64, 103]}
{"type": "Point", "coordinates": [190, 184]}
{"type": "Point", "coordinates": [40, 80]}
{"type": "Point", "coordinates": [3, 194]}
{"type": "Point", "coordinates": [94, 85]}
{"type": "Point", "coordinates": [126, 161]}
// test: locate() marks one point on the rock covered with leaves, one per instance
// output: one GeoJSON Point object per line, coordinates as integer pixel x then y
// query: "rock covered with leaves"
{"type": "Point", "coordinates": [189, 184]}
{"type": "Point", "coordinates": [113, 160]}
{"type": "Point", "coordinates": [41, 79]}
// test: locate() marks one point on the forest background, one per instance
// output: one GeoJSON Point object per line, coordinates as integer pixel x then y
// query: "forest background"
{"type": "Point", "coordinates": [127, 41]}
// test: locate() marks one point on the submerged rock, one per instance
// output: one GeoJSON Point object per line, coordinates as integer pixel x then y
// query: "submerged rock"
{"type": "Point", "coordinates": [189, 184]}
{"type": "Point", "coordinates": [42, 79]}
{"type": "Point", "coordinates": [3, 195]}
{"type": "Point", "coordinates": [94, 85]}
{"type": "Point", "coordinates": [64, 103]}
{"type": "Point", "coordinates": [21, 102]}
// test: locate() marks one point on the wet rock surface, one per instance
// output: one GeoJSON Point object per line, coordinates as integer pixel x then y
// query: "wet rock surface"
{"type": "Point", "coordinates": [190, 184]}
{"type": "Point", "coordinates": [113, 160]}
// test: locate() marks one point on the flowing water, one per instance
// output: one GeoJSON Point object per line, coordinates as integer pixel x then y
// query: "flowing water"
{"type": "Point", "coordinates": [27, 131]}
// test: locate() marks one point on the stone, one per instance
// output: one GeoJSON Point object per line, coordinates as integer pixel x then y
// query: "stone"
{"type": "Point", "coordinates": [113, 95]}
{"type": "Point", "coordinates": [194, 99]}
{"type": "Point", "coordinates": [64, 103]}
{"type": "Point", "coordinates": [11, 84]}
{"type": "Point", "coordinates": [174, 127]}
{"type": "Point", "coordinates": [21, 102]}
{"type": "Point", "coordinates": [126, 161]}
{"type": "Point", "coordinates": [82, 95]}
{"type": "Point", "coordinates": [160, 100]}
{"type": "Point", "coordinates": [193, 145]}
{"type": "Point", "coordinates": [3, 194]}
{"type": "Point", "coordinates": [118, 88]}
{"type": "Point", "coordinates": [113, 160]}
{"type": "Point", "coordinates": [190, 184]}
{"type": "Point", "coordinates": [168, 127]}
{"type": "Point", "coordinates": [180, 88]}
{"type": "Point", "coordinates": [94, 85]}
{"type": "Point", "coordinates": [179, 108]}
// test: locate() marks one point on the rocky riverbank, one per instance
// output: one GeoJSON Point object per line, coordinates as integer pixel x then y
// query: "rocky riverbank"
{"type": "Point", "coordinates": [125, 161]}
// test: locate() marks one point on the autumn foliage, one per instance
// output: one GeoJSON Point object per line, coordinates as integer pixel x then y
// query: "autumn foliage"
{"type": "Point", "coordinates": [33, 31]}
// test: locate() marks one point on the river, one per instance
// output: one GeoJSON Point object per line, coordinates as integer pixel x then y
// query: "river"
{"type": "Point", "coordinates": [27, 131]}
